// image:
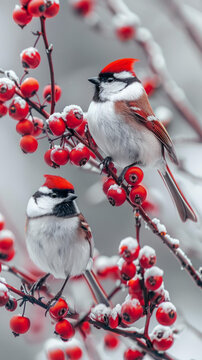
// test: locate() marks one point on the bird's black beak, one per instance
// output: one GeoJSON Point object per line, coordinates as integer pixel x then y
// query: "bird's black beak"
{"type": "Point", "coordinates": [94, 80]}
{"type": "Point", "coordinates": [71, 197]}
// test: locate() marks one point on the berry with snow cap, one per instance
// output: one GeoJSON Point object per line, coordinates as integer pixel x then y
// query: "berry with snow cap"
{"type": "Point", "coordinates": [36, 8]}
{"type": "Point", "coordinates": [56, 124]}
{"type": "Point", "coordinates": [47, 93]}
{"type": "Point", "coordinates": [57, 182]}
{"type": "Point", "coordinates": [30, 58]}
{"type": "Point", "coordinates": [47, 159]}
{"type": "Point", "coordinates": [147, 257]}
{"type": "Point", "coordinates": [107, 183]}
{"type": "Point", "coordinates": [134, 175]}
{"type": "Point", "coordinates": [73, 116]}
{"type": "Point", "coordinates": [127, 270]}
{"type": "Point", "coordinates": [131, 311]}
{"type": "Point", "coordinates": [52, 8]}
{"type": "Point", "coordinates": [60, 155]}
{"type": "Point", "coordinates": [19, 324]}
{"type": "Point", "coordinates": [6, 241]}
{"type": "Point", "coordinates": [166, 314]}
{"type": "Point", "coordinates": [21, 16]}
{"type": "Point", "coordinates": [7, 89]}
{"type": "Point", "coordinates": [114, 318]}
{"type": "Point", "coordinates": [28, 144]}
{"type": "Point", "coordinates": [138, 194]}
{"type": "Point", "coordinates": [134, 286]}
{"type": "Point", "coordinates": [153, 278]}
{"type": "Point", "coordinates": [4, 296]}
{"type": "Point", "coordinates": [129, 249]}
{"type": "Point", "coordinates": [116, 195]}
{"type": "Point", "coordinates": [80, 155]}
{"type": "Point", "coordinates": [29, 87]}
{"type": "Point", "coordinates": [162, 338]}
{"type": "Point", "coordinates": [18, 108]}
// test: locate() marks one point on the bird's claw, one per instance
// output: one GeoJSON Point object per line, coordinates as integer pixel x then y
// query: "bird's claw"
{"type": "Point", "coordinates": [105, 163]}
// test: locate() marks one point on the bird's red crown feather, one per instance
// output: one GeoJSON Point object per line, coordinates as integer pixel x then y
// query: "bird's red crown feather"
{"type": "Point", "coordinates": [57, 182]}
{"type": "Point", "coordinates": [120, 65]}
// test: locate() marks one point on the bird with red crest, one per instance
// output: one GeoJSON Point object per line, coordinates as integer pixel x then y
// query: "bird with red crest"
{"type": "Point", "coordinates": [124, 126]}
{"type": "Point", "coordinates": [58, 237]}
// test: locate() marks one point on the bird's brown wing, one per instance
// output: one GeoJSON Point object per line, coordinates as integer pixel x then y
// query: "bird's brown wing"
{"type": "Point", "coordinates": [155, 126]}
{"type": "Point", "coordinates": [85, 229]}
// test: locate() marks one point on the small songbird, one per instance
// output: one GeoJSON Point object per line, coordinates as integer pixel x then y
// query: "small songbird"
{"type": "Point", "coordinates": [58, 238]}
{"type": "Point", "coordinates": [124, 126]}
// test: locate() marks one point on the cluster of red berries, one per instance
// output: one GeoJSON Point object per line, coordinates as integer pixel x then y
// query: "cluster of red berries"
{"type": "Point", "coordinates": [140, 275]}
{"type": "Point", "coordinates": [7, 241]}
{"type": "Point", "coordinates": [23, 13]}
{"type": "Point", "coordinates": [117, 195]}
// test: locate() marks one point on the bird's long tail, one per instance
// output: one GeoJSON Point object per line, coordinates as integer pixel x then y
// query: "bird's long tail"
{"type": "Point", "coordinates": [96, 287]}
{"type": "Point", "coordinates": [184, 209]}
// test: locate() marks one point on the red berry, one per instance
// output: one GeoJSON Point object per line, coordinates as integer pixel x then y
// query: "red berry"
{"type": "Point", "coordinates": [28, 144]}
{"type": "Point", "coordinates": [85, 327]}
{"type": "Point", "coordinates": [21, 16]}
{"type": "Point", "coordinates": [153, 278]}
{"type": "Point", "coordinates": [12, 304]}
{"type": "Point", "coordinates": [166, 314]}
{"type": "Point", "coordinates": [134, 175]}
{"type": "Point", "coordinates": [74, 353]}
{"type": "Point", "coordinates": [106, 185]}
{"type": "Point", "coordinates": [131, 311]}
{"type": "Point", "coordinates": [73, 116]}
{"type": "Point", "coordinates": [10, 255]}
{"type": "Point", "coordinates": [60, 155]}
{"type": "Point", "coordinates": [138, 194]}
{"type": "Point", "coordinates": [83, 7]}
{"type": "Point", "coordinates": [19, 324]}
{"type": "Point", "coordinates": [132, 354]}
{"type": "Point", "coordinates": [128, 270]}
{"type": "Point", "coordinates": [29, 87]}
{"type": "Point", "coordinates": [125, 33]}
{"type": "Point", "coordinates": [111, 341]}
{"type": "Point", "coordinates": [147, 257]}
{"type": "Point", "coordinates": [3, 110]}
{"type": "Point", "coordinates": [52, 8]}
{"type": "Point", "coordinates": [4, 297]}
{"type": "Point", "coordinates": [65, 329]}
{"type": "Point", "coordinates": [80, 155]}
{"type": "Point", "coordinates": [7, 89]}
{"type": "Point", "coordinates": [56, 354]}
{"type": "Point", "coordinates": [19, 108]}
{"type": "Point", "coordinates": [113, 319]}
{"type": "Point", "coordinates": [129, 249]}
{"type": "Point", "coordinates": [59, 310]}
{"type": "Point", "coordinates": [6, 241]}
{"type": "Point", "coordinates": [56, 124]}
{"type": "Point", "coordinates": [81, 128]}
{"type": "Point", "coordinates": [47, 158]}
{"type": "Point", "coordinates": [25, 127]}
{"type": "Point", "coordinates": [36, 7]}
{"type": "Point", "coordinates": [150, 85]}
{"type": "Point", "coordinates": [2, 222]}
{"type": "Point", "coordinates": [47, 93]}
{"type": "Point", "coordinates": [162, 338]}
{"type": "Point", "coordinates": [30, 58]}
{"type": "Point", "coordinates": [116, 195]}
{"type": "Point", "coordinates": [134, 286]}
{"type": "Point", "coordinates": [38, 126]}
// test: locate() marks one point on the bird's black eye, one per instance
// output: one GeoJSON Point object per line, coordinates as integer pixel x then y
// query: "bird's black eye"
{"type": "Point", "coordinates": [53, 195]}
{"type": "Point", "coordinates": [109, 80]}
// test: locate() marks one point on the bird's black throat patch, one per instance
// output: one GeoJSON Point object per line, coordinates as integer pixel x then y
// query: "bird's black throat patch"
{"type": "Point", "coordinates": [64, 209]}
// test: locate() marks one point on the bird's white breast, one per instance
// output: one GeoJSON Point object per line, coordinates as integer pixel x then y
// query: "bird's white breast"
{"type": "Point", "coordinates": [125, 143]}
{"type": "Point", "coordinates": [54, 245]}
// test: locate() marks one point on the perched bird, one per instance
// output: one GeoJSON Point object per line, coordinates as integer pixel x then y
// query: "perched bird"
{"type": "Point", "coordinates": [58, 238]}
{"type": "Point", "coordinates": [123, 125]}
